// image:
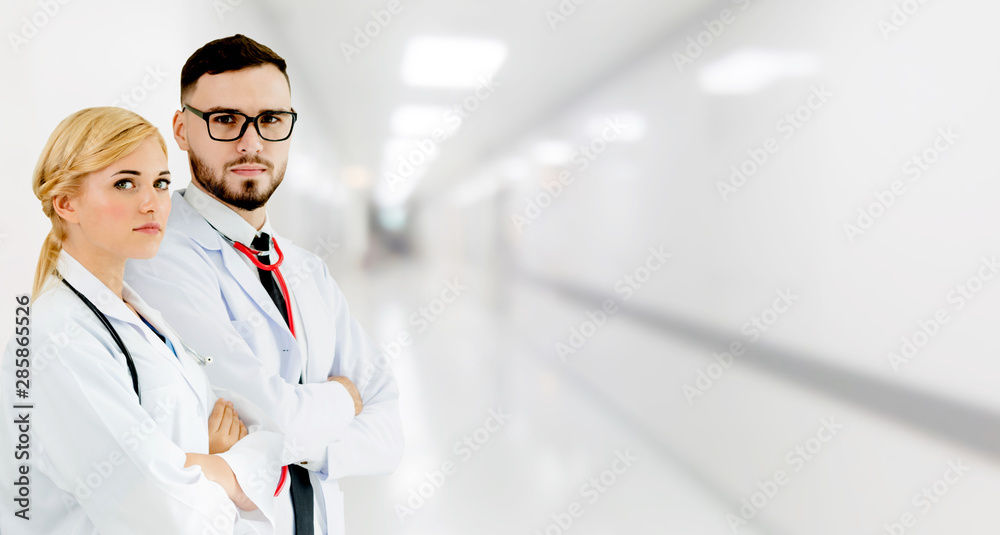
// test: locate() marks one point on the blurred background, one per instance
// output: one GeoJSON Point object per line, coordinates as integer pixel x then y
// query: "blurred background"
{"type": "Point", "coordinates": [692, 267]}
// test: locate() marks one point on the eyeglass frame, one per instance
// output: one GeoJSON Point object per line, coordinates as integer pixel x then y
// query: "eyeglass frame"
{"type": "Point", "coordinates": [205, 116]}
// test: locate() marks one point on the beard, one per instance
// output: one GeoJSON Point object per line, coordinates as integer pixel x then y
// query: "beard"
{"type": "Point", "coordinates": [243, 195]}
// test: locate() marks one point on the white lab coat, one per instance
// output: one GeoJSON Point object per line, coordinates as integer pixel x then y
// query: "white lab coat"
{"type": "Point", "coordinates": [100, 462]}
{"type": "Point", "coordinates": [206, 290]}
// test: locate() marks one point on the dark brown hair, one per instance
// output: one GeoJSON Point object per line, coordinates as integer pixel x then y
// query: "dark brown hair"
{"type": "Point", "coordinates": [224, 55]}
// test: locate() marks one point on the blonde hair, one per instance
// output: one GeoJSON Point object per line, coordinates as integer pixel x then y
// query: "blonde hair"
{"type": "Point", "coordinates": [86, 141]}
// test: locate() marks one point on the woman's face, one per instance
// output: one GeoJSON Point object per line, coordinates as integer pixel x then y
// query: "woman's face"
{"type": "Point", "coordinates": [121, 211]}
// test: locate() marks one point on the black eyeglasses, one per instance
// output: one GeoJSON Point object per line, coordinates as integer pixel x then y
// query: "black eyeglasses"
{"type": "Point", "coordinates": [230, 125]}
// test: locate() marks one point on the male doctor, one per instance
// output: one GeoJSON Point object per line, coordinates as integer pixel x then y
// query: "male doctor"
{"type": "Point", "coordinates": [267, 311]}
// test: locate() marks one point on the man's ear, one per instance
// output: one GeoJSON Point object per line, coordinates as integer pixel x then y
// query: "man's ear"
{"type": "Point", "coordinates": [65, 208]}
{"type": "Point", "coordinates": [180, 130]}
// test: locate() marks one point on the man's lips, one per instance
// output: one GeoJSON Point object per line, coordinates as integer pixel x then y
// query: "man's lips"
{"type": "Point", "coordinates": [149, 228]}
{"type": "Point", "coordinates": [248, 170]}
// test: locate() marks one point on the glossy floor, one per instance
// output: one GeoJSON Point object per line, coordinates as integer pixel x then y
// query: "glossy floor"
{"type": "Point", "coordinates": [498, 440]}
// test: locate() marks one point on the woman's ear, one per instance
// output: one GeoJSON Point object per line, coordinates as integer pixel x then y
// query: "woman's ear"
{"type": "Point", "coordinates": [65, 208]}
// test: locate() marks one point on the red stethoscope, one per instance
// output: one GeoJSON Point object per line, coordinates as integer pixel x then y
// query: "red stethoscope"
{"type": "Point", "coordinates": [252, 255]}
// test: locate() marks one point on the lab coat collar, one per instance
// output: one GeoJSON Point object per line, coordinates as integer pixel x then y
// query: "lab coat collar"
{"type": "Point", "coordinates": [223, 218]}
{"type": "Point", "coordinates": [90, 286]}
{"type": "Point", "coordinates": [107, 302]}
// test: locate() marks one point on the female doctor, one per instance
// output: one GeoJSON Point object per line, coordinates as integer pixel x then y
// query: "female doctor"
{"type": "Point", "coordinates": [119, 431]}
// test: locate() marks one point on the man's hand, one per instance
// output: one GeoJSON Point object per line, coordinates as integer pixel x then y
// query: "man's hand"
{"type": "Point", "coordinates": [353, 391]}
{"type": "Point", "coordinates": [224, 427]}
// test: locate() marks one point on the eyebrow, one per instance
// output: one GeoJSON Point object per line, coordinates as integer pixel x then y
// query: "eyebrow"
{"type": "Point", "coordinates": [137, 173]}
{"type": "Point", "coordinates": [218, 109]}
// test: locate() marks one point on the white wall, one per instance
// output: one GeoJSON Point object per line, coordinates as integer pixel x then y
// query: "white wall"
{"type": "Point", "coordinates": [784, 229]}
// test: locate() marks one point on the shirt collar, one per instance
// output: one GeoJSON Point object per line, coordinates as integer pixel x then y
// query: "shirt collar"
{"type": "Point", "coordinates": [223, 218]}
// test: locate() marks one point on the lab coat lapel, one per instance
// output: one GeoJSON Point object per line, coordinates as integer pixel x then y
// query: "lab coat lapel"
{"type": "Point", "coordinates": [248, 279]}
{"type": "Point", "coordinates": [191, 223]}
{"type": "Point", "coordinates": [183, 361]}
{"type": "Point", "coordinates": [115, 309]}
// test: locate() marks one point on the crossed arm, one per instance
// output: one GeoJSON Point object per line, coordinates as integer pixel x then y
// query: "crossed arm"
{"type": "Point", "coordinates": [351, 428]}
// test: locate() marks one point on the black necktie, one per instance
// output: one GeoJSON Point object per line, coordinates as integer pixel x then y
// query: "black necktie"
{"type": "Point", "coordinates": [262, 243]}
{"type": "Point", "coordinates": [298, 485]}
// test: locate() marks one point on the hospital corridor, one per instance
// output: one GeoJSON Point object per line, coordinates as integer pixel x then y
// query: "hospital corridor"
{"type": "Point", "coordinates": [697, 267]}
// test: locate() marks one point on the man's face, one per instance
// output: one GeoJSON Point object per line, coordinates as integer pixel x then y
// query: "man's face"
{"type": "Point", "coordinates": [242, 173]}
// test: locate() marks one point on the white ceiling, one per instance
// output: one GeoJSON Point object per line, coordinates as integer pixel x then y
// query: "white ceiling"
{"type": "Point", "coordinates": [545, 68]}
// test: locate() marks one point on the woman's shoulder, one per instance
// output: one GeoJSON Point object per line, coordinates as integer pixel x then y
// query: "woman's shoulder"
{"type": "Point", "coordinates": [54, 308]}
{"type": "Point", "coordinates": [57, 319]}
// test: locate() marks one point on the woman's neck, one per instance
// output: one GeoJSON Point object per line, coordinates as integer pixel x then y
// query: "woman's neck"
{"type": "Point", "coordinates": [107, 269]}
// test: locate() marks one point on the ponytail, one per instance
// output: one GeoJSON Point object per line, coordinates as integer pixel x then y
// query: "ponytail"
{"type": "Point", "coordinates": [46, 262]}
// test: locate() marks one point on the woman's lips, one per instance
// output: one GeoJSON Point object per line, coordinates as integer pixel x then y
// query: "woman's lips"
{"type": "Point", "coordinates": [149, 228]}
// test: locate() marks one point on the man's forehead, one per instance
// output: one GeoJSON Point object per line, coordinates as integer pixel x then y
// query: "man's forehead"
{"type": "Point", "coordinates": [263, 87]}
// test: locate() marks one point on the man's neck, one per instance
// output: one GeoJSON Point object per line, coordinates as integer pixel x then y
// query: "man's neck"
{"type": "Point", "coordinates": [255, 218]}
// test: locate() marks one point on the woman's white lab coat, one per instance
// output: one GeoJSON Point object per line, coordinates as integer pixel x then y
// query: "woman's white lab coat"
{"type": "Point", "coordinates": [101, 463]}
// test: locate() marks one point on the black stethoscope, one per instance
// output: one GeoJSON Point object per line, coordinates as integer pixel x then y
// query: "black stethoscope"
{"type": "Point", "coordinates": [121, 345]}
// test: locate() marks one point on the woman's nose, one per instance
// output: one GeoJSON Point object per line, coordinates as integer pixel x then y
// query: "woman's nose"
{"type": "Point", "coordinates": [150, 200]}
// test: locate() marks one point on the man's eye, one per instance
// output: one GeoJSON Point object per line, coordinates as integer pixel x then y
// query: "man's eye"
{"type": "Point", "coordinates": [224, 119]}
{"type": "Point", "coordinates": [124, 184]}
{"type": "Point", "coordinates": [271, 119]}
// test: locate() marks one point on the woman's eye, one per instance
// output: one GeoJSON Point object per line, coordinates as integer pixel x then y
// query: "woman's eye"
{"type": "Point", "coordinates": [162, 183]}
{"type": "Point", "coordinates": [124, 184]}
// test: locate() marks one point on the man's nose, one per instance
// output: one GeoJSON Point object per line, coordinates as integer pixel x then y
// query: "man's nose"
{"type": "Point", "coordinates": [250, 142]}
